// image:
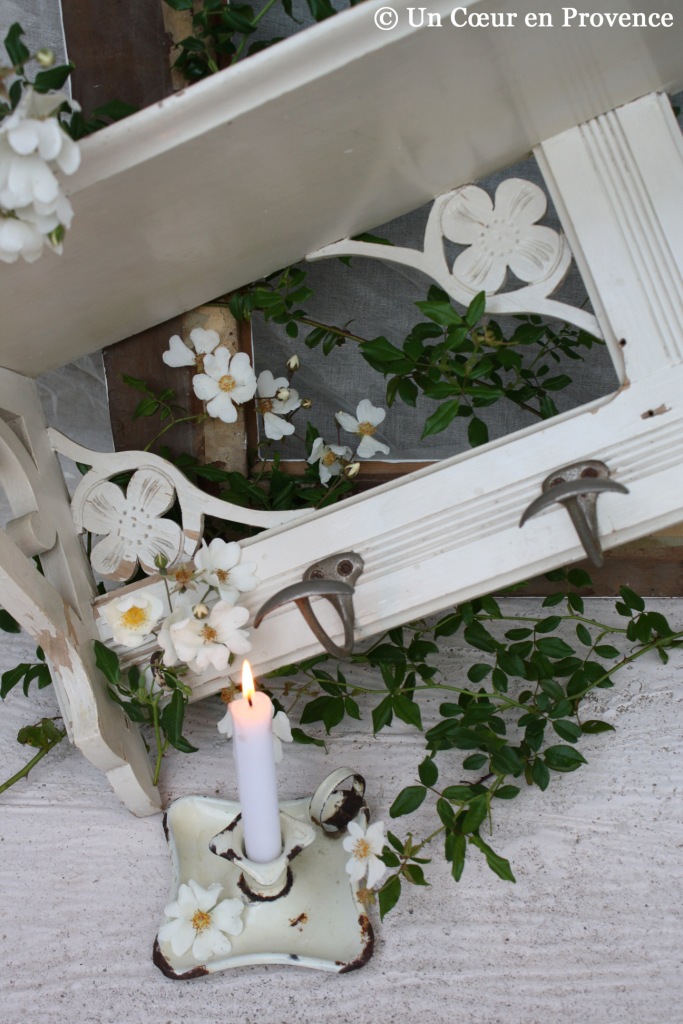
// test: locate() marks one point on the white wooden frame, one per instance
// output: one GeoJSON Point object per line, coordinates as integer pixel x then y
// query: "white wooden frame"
{"type": "Point", "coordinates": [447, 532]}
{"type": "Point", "coordinates": [450, 532]}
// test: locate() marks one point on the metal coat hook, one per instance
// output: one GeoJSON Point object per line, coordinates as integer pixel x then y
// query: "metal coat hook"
{"type": "Point", "coordinates": [577, 488]}
{"type": "Point", "coordinates": [332, 578]}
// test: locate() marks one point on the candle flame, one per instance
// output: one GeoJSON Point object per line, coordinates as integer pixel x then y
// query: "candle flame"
{"type": "Point", "coordinates": [247, 682]}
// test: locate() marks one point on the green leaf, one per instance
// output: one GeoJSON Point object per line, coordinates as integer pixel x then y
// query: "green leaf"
{"type": "Point", "coordinates": [476, 813]}
{"type": "Point", "coordinates": [476, 308]}
{"type": "Point", "coordinates": [171, 717]}
{"type": "Point", "coordinates": [328, 710]}
{"type": "Point", "coordinates": [428, 772]}
{"type": "Point", "coordinates": [16, 51]}
{"type": "Point", "coordinates": [518, 634]}
{"type": "Point", "coordinates": [445, 812]}
{"type": "Point", "coordinates": [631, 599]}
{"type": "Point", "coordinates": [414, 873]}
{"type": "Point", "coordinates": [389, 895]}
{"type": "Point", "coordinates": [108, 663]}
{"type": "Point", "coordinates": [441, 418]}
{"type": "Point", "coordinates": [567, 730]}
{"type": "Point", "coordinates": [7, 623]}
{"type": "Point", "coordinates": [606, 651]}
{"type": "Point", "coordinates": [407, 710]}
{"type": "Point", "coordinates": [458, 793]}
{"type": "Point", "coordinates": [506, 792]}
{"type": "Point", "coordinates": [553, 647]}
{"type": "Point", "coordinates": [499, 865]}
{"type": "Point", "coordinates": [441, 313]}
{"type": "Point", "coordinates": [299, 736]}
{"type": "Point", "coordinates": [552, 689]}
{"type": "Point", "coordinates": [549, 624]}
{"type": "Point", "coordinates": [53, 78]}
{"type": "Point", "coordinates": [478, 672]}
{"type": "Point", "coordinates": [507, 761]}
{"type": "Point", "coordinates": [579, 578]}
{"type": "Point", "coordinates": [382, 714]}
{"type": "Point", "coordinates": [12, 677]}
{"type": "Point", "coordinates": [459, 853]}
{"type": "Point", "coordinates": [395, 842]}
{"type": "Point", "coordinates": [474, 762]}
{"type": "Point", "coordinates": [477, 636]}
{"type": "Point", "coordinates": [146, 407]}
{"type": "Point", "coordinates": [477, 432]}
{"type": "Point", "coordinates": [511, 664]}
{"type": "Point", "coordinates": [583, 635]}
{"type": "Point", "coordinates": [407, 801]}
{"type": "Point", "coordinates": [180, 5]}
{"type": "Point", "coordinates": [540, 774]}
{"type": "Point", "coordinates": [449, 625]}
{"type": "Point", "coordinates": [386, 654]}
{"type": "Point", "coordinates": [563, 759]}
{"type": "Point", "coordinates": [593, 726]}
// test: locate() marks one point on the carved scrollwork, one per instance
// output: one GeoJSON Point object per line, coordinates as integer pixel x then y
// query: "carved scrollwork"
{"type": "Point", "coordinates": [32, 529]}
{"type": "Point", "coordinates": [498, 235]}
{"type": "Point", "coordinates": [131, 521]}
{"type": "Point", "coordinates": [131, 524]}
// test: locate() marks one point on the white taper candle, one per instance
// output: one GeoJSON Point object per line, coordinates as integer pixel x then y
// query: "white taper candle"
{"type": "Point", "coordinates": [252, 718]}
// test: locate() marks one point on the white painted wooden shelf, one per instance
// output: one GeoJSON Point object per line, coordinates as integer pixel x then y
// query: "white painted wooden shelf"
{"type": "Point", "coordinates": [328, 134]}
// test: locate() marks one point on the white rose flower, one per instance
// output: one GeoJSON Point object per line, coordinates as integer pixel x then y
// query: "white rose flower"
{"type": "Point", "coordinates": [165, 639]}
{"type": "Point", "coordinates": [365, 846]}
{"type": "Point", "coordinates": [133, 618]}
{"type": "Point", "coordinates": [211, 640]}
{"type": "Point", "coordinates": [272, 408]}
{"type": "Point", "coordinates": [32, 146]}
{"type": "Point", "coordinates": [201, 924]}
{"type": "Point", "coordinates": [368, 418]}
{"type": "Point", "coordinates": [226, 380]}
{"type": "Point", "coordinates": [19, 239]}
{"type": "Point", "coordinates": [203, 342]}
{"type": "Point", "coordinates": [331, 457]}
{"type": "Point", "coordinates": [218, 562]}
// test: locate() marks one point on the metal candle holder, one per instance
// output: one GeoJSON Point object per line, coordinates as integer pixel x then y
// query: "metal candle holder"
{"type": "Point", "coordinates": [299, 909]}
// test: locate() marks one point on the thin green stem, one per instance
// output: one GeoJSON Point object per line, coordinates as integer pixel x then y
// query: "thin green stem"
{"type": "Point", "coordinates": [196, 418]}
{"type": "Point", "coordinates": [23, 772]}
{"type": "Point", "coordinates": [161, 745]}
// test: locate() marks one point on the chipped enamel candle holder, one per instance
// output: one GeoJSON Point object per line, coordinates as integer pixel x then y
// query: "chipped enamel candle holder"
{"type": "Point", "coordinates": [301, 909]}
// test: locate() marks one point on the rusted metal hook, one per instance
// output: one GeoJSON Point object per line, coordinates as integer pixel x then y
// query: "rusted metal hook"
{"type": "Point", "coordinates": [332, 578]}
{"type": "Point", "coordinates": [577, 488]}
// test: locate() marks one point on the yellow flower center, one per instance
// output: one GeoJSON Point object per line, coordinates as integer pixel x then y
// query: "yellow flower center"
{"type": "Point", "coordinates": [183, 575]}
{"type": "Point", "coordinates": [227, 383]}
{"type": "Point", "coordinates": [201, 921]}
{"type": "Point", "coordinates": [209, 634]}
{"type": "Point", "coordinates": [361, 849]}
{"type": "Point", "coordinates": [329, 459]}
{"type": "Point", "coordinates": [222, 575]}
{"type": "Point", "coordinates": [134, 617]}
{"type": "Point", "coordinates": [366, 428]}
{"type": "Point", "coordinates": [265, 405]}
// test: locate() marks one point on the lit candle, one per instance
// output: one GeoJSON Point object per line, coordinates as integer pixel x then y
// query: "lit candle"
{"type": "Point", "coordinates": [252, 718]}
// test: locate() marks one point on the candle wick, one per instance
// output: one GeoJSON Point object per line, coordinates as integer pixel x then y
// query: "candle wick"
{"type": "Point", "coordinates": [250, 702]}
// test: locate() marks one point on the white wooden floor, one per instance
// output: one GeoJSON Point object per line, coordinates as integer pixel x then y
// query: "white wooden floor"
{"type": "Point", "coordinates": [591, 931]}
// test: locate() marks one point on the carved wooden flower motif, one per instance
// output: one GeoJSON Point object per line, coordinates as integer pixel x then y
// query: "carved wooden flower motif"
{"type": "Point", "coordinates": [131, 524]}
{"type": "Point", "coordinates": [500, 235]}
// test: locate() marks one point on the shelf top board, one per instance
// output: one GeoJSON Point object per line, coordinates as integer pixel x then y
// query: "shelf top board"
{"type": "Point", "coordinates": [329, 133]}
